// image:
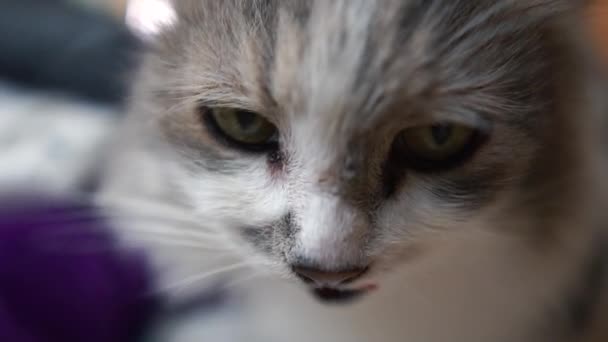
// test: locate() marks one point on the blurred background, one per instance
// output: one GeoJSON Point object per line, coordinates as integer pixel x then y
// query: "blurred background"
{"type": "Point", "coordinates": [64, 72]}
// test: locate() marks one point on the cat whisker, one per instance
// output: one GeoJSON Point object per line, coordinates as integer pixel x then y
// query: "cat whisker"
{"type": "Point", "coordinates": [133, 223]}
{"type": "Point", "coordinates": [240, 280]}
{"type": "Point", "coordinates": [143, 205]}
{"type": "Point", "coordinates": [169, 231]}
{"type": "Point", "coordinates": [136, 223]}
{"type": "Point", "coordinates": [145, 209]}
{"type": "Point", "coordinates": [176, 242]}
{"type": "Point", "coordinates": [192, 280]}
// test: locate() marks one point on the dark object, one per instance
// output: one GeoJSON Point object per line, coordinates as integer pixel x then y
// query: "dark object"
{"type": "Point", "coordinates": [64, 279]}
{"type": "Point", "coordinates": [57, 46]}
{"type": "Point", "coordinates": [329, 295]}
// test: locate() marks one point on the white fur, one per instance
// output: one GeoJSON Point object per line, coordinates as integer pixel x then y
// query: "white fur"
{"type": "Point", "coordinates": [331, 234]}
{"type": "Point", "coordinates": [444, 273]}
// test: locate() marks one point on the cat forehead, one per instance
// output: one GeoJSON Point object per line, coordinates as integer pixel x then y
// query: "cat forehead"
{"type": "Point", "coordinates": [352, 61]}
{"type": "Point", "coordinates": [352, 65]}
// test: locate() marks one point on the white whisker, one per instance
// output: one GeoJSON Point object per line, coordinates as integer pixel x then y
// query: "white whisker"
{"type": "Point", "coordinates": [179, 286]}
{"type": "Point", "coordinates": [176, 242]}
{"type": "Point", "coordinates": [171, 231]}
{"type": "Point", "coordinates": [237, 281]}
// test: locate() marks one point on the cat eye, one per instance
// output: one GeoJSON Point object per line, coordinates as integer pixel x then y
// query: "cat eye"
{"type": "Point", "coordinates": [245, 129]}
{"type": "Point", "coordinates": [438, 146]}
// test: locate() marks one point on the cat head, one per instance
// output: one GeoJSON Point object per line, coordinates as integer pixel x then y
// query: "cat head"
{"type": "Point", "coordinates": [338, 140]}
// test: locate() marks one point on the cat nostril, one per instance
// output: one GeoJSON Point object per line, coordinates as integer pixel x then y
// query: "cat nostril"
{"type": "Point", "coordinates": [327, 278]}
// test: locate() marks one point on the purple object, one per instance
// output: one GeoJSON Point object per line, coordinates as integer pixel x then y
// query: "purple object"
{"type": "Point", "coordinates": [64, 279]}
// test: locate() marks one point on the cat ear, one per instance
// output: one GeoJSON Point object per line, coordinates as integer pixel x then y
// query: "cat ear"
{"type": "Point", "coordinates": [147, 18]}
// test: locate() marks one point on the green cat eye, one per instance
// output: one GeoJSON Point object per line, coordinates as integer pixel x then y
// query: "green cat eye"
{"type": "Point", "coordinates": [246, 128]}
{"type": "Point", "coordinates": [438, 145]}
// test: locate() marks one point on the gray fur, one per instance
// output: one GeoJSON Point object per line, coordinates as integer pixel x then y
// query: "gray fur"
{"type": "Point", "coordinates": [340, 79]}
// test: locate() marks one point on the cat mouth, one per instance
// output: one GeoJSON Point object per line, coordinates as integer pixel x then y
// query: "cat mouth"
{"type": "Point", "coordinates": [332, 295]}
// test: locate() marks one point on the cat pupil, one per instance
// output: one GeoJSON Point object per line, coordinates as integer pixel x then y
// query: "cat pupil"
{"type": "Point", "coordinates": [441, 133]}
{"type": "Point", "coordinates": [246, 119]}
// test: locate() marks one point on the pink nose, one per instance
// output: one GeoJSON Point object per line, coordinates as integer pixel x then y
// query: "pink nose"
{"type": "Point", "coordinates": [325, 278]}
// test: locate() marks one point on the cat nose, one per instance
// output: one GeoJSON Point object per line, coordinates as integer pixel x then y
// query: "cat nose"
{"type": "Point", "coordinates": [328, 278]}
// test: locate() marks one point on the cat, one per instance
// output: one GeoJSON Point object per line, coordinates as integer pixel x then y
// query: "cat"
{"type": "Point", "coordinates": [433, 165]}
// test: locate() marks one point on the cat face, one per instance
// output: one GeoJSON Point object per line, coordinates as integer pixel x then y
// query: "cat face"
{"type": "Point", "coordinates": [337, 140]}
